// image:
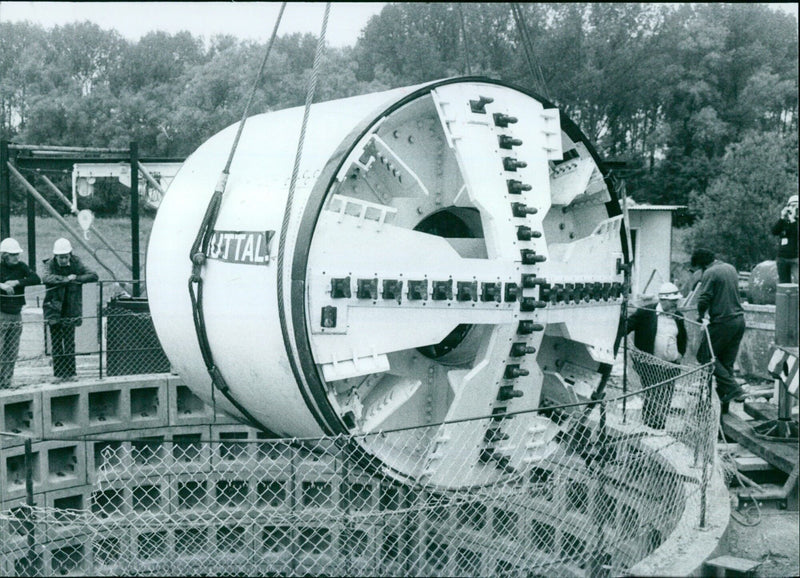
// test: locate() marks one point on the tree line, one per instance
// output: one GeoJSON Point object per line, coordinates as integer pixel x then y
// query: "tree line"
{"type": "Point", "coordinates": [699, 100]}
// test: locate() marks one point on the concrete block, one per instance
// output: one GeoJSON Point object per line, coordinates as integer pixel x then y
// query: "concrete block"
{"type": "Point", "coordinates": [64, 410]}
{"type": "Point", "coordinates": [111, 499]}
{"type": "Point", "coordinates": [152, 546]}
{"type": "Point", "coordinates": [150, 495]}
{"type": "Point", "coordinates": [106, 410]}
{"type": "Point", "coordinates": [507, 524]}
{"type": "Point", "coordinates": [359, 493]}
{"type": "Point", "coordinates": [66, 557]}
{"type": "Point", "coordinates": [64, 465]}
{"type": "Point", "coordinates": [185, 408]}
{"type": "Point", "coordinates": [230, 492]}
{"type": "Point", "coordinates": [317, 547]}
{"type": "Point", "coordinates": [148, 403]}
{"type": "Point", "coordinates": [106, 551]}
{"type": "Point", "coordinates": [191, 450]}
{"type": "Point", "coordinates": [109, 457]}
{"type": "Point", "coordinates": [15, 562]}
{"type": "Point", "coordinates": [190, 542]}
{"type": "Point", "coordinates": [436, 556]}
{"type": "Point", "coordinates": [13, 472]}
{"type": "Point", "coordinates": [359, 547]}
{"type": "Point", "coordinates": [232, 444]}
{"type": "Point", "coordinates": [393, 551]}
{"type": "Point", "coordinates": [20, 413]}
{"type": "Point", "coordinates": [13, 527]}
{"type": "Point", "coordinates": [150, 454]}
{"type": "Point", "coordinates": [73, 502]}
{"type": "Point", "coordinates": [317, 492]}
{"type": "Point", "coordinates": [274, 492]}
{"type": "Point", "coordinates": [273, 458]}
{"type": "Point", "coordinates": [192, 492]}
{"type": "Point", "coordinates": [234, 539]}
{"type": "Point", "coordinates": [316, 461]}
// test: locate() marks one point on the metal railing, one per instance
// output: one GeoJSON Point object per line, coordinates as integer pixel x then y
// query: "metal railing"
{"type": "Point", "coordinates": [618, 479]}
{"type": "Point", "coordinates": [608, 490]}
{"type": "Point", "coordinates": [115, 337]}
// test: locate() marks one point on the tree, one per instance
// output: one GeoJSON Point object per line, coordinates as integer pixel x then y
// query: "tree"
{"type": "Point", "coordinates": [83, 54]}
{"type": "Point", "coordinates": [738, 208]}
{"type": "Point", "coordinates": [157, 58]}
{"type": "Point", "coordinates": [21, 54]}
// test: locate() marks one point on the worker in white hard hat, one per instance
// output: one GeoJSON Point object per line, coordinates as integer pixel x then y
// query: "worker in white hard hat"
{"type": "Point", "coordinates": [14, 277]}
{"type": "Point", "coordinates": [63, 277]}
{"type": "Point", "coordinates": [660, 332]}
{"type": "Point", "coordinates": [786, 230]}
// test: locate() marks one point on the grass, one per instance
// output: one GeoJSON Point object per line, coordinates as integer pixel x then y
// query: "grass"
{"type": "Point", "coordinates": [117, 231]}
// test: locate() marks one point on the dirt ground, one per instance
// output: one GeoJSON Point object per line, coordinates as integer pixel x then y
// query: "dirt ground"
{"type": "Point", "coordinates": [774, 540]}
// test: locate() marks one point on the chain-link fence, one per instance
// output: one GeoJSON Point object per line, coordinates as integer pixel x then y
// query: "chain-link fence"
{"type": "Point", "coordinates": [115, 336]}
{"type": "Point", "coordinates": [614, 480]}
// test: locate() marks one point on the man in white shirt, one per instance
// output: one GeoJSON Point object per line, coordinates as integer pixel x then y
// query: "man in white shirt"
{"type": "Point", "coordinates": [658, 330]}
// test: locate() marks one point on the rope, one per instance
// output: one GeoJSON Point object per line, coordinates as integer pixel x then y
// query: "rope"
{"type": "Point", "coordinates": [197, 254]}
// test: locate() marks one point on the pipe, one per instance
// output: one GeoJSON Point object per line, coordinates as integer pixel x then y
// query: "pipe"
{"type": "Point", "coordinates": [64, 198]}
{"type": "Point", "coordinates": [149, 178]}
{"type": "Point", "coordinates": [50, 148]}
{"type": "Point", "coordinates": [32, 191]}
{"type": "Point", "coordinates": [774, 494]}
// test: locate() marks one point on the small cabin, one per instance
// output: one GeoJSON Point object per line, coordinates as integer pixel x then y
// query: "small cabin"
{"type": "Point", "coordinates": [651, 238]}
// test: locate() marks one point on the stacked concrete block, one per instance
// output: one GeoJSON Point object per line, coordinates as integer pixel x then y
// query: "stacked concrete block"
{"type": "Point", "coordinates": [20, 414]}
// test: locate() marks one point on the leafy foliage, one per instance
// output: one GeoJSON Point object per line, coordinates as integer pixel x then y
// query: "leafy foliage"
{"type": "Point", "coordinates": [675, 90]}
{"type": "Point", "coordinates": [742, 203]}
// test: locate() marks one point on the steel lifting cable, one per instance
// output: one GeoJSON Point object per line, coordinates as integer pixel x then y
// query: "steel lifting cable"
{"type": "Point", "coordinates": [199, 249]}
{"type": "Point", "coordinates": [527, 47]}
{"type": "Point", "coordinates": [312, 86]}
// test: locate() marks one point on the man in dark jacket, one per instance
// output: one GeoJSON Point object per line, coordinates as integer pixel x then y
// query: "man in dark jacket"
{"type": "Point", "coordinates": [719, 296]}
{"type": "Point", "coordinates": [786, 229]}
{"type": "Point", "coordinates": [658, 330]}
{"type": "Point", "coordinates": [63, 305]}
{"type": "Point", "coordinates": [14, 277]}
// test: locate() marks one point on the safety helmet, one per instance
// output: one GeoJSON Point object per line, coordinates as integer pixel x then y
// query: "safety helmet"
{"type": "Point", "coordinates": [669, 291]}
{"type": "Point", "coordinates": [792, 200]}
{"type": "Point", "coordinates": [62, 247]}
{"type": "Point", "coordinates": [10, 245]}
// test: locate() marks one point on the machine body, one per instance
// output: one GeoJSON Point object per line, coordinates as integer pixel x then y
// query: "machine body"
{"type": "Point", "coordinates": [451, 252]}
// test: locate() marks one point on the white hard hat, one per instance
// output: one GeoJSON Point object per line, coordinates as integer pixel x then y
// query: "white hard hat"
{"type": "Point", "coordinates": [62, 247]}
{"type": "Point", "coordinates": [10, 246]}
{"type": "Point", "coordinates": [792, 200]}
{"type": "Point", "coordinates": [669, 291]}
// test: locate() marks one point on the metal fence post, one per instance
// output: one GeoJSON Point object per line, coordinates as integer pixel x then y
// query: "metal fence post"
{"type": "Point", "coordinates": [29, 525]}
{"type": "Point", "coordinates": [704, 490]}
{"type": "Point", "coordinates": [135, 216]}
{"type": "Point", "coordinates": [30, 207]}
{"type": "Point", "coordinates": [100, 329]}
{"type": "Point", "coordinates": [5, 191]}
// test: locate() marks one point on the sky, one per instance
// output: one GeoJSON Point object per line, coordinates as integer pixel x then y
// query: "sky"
{"type": "Point", "coordinates": [245, 20]}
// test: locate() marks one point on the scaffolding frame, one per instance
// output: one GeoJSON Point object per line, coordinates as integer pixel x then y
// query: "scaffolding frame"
{"type": "Point", "coordinates": [51, 157]}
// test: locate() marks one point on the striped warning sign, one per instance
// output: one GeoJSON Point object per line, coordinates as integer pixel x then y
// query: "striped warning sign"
{"type": "Point", "coordinates": [784, 365]}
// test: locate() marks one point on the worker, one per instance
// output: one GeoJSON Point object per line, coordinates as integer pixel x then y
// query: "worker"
{"type": "Point", "coordinates": [15, 275]}
{"type": "Point", "coordinates": [63, 305]}
{"type": "Point", "coordinates": [786, 229]}
{"type": "Point", "coordinates": [659, 330]}
{"type": "Point", "coordinates": [718, 296]}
